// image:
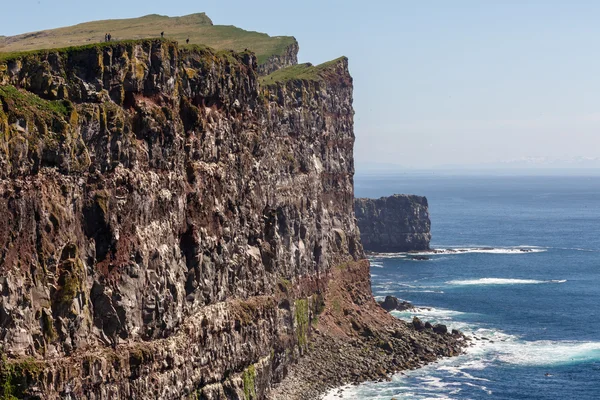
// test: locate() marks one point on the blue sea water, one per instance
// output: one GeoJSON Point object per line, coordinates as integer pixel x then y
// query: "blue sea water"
{"type": "Point", "coordinates": [539, 310]}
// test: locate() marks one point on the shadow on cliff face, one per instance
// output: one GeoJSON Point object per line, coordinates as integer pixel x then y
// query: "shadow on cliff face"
{"type": "Point", "coordinates": [96, 225]}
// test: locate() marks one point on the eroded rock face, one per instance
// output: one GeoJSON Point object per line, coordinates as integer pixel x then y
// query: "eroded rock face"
{"type": "Point", "coordinates": [398, 223]}
{"type": "Point", "coordinates": [277, 61]}
{"type": "Point", "coordinates": [170, 229]}
{"type": "Point", "coordinates": [159, 202]}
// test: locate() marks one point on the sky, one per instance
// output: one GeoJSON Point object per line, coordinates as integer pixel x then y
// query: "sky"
{"type": "Point", "coordinates": [438, 83]}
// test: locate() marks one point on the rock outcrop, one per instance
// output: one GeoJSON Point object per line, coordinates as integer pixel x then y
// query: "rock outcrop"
{"type": "Point", "coordinates": [172, 229]}
{"type": "Point", "coordinates": [398, 223]}
{"type": "Point", "coordinates": [392, 303]}
{"type": "Point", "coordinates": [288, 58]}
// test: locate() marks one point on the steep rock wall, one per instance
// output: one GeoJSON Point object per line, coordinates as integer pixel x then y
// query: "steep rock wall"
{"type": "Point", "coordinates": [168, 224]}
{"type": "Point", "coordinates": [396, 223]}
{"type": "Point", "coordinates": [287, 58]}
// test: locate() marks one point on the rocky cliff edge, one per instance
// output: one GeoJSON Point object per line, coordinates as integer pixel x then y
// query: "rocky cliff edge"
{"type": "Point", "coordinates": [171, 228]}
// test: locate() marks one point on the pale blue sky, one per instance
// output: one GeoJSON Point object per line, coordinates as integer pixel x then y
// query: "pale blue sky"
{"type": "Point", "coordinates": [436, 82]}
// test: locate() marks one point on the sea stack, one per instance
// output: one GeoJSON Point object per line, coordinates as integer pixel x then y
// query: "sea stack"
{"type": "Point", "coordinates": [397, 223]}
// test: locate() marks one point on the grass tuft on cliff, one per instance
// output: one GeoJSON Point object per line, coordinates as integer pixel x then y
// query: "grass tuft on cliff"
{"type": "Point", "coordinates": [301, 72]}
{"type": "Point", "coordinates": [22, 101]}
{"type": "Point", "coordinates": [197, 27]}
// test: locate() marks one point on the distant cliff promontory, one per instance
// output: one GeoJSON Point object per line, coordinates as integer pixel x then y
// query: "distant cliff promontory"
{"type": "Point", "coordinates": [394, 224]}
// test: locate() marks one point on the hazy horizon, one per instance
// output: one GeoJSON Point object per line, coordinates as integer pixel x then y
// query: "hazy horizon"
{"type": "Point", "coordinates": [436, 83]}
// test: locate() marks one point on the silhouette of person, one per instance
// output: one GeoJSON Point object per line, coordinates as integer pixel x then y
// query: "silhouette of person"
{"type": "Point", "coordinates": [109, 37]}
{"type": "Point", "coordinates": [106, 37]}
{"type": "Point", "coordinates": [162, 34]}
{"type": "Point", "coordinates": [187, 41]}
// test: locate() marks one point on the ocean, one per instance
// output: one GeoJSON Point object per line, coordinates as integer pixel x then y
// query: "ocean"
{"type": "Point", "coordinates": [525, 281]}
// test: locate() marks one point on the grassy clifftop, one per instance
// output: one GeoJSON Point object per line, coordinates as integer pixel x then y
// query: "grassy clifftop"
{"type": "Point", "coordinates": [303, 72]}
{"type": "Point", "coordinates": [197, 27]}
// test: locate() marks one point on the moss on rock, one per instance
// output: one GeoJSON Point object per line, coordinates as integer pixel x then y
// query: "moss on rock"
{"type": "Point", "coordinates": [302, 322]}
{"type": "Point", "coordinates": [249, 380]}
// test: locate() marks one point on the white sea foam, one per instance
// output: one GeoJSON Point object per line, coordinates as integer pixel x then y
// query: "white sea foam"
{"type": "Point", "coordinates": [423, 291]}
{"type": "Point", "coordinates": [502, 281]}
{"type": "Point", "coordinates": [376, 264]}
{"type": "Point", "coordinates": [453, 250]}
{"type": "Point", "coordinates": [547, 352]}
{"type": "Point", "coordinates": [446, 377]}
{"type": "Point", "coordinates": [379, 256]}
{"type": "Point", "coordinates": [486, 250]}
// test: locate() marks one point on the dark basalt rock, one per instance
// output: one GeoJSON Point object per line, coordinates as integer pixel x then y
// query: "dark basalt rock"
{"type": "Point", "coordinates": [440, 329]}
{"type": "Point", "coordinates": [418, 324]}
{"type": "Point", "coordinates": [160, 201]}
{"type": "Point", "coordinates": [399, 223]}
{"type": "Point", "coordinates": [173, 226]}
{"type": "Point", "coordinates": [391, 303]}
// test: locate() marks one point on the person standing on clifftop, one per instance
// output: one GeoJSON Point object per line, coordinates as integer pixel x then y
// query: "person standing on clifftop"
{"type": "Point", "coordinates": [162, 35]}
{"type": "Point", "coordinates": [106, 37]}
{"type": "Point", "coordinates": [187, 41]}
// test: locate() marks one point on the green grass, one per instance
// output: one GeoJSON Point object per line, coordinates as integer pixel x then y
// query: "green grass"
{"type": "Point", "coordinates": [7, 56]}
{"type": "Point", "coordinates": [306, 72]}
{"type": "Point", "coordinates": [248, 379]}
{"type": "Point", "coordinates": [22, 100]}
{"type": "Point", "coordinates": [197, 27]}
{"type": "Point", "coordinates": [14, 376]}
{"type": "Point", "coordinates": [301, 316]}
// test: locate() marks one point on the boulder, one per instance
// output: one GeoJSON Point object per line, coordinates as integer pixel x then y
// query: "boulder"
{"type": "Point", "coordinates": [418, 324]}
{"type": "Point", "coordinates": [391, 303]}
{"type": "Point", "coordinates": [440, 329]}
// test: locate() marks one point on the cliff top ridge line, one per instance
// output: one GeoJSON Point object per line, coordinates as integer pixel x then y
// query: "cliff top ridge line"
{"type": "Point", "coordinates": [91, 56]}
{"type": "Point", "coordinates": [199, 28]}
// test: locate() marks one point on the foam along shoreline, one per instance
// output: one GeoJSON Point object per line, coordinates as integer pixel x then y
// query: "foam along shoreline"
{"type": "Point", "coordinates": [448, 376]}
{"type": "Point", "coordinates": [463, 250]}
{"type": "Point", "coordinates": [506, 348]}
{"type": "Point", "coordinates": [502, 281]}
{"type": "Point", "coordinates": [489, 348]}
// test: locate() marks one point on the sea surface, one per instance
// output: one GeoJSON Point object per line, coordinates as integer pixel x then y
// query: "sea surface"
{"type": "Point", "coordinates": [536, 312]}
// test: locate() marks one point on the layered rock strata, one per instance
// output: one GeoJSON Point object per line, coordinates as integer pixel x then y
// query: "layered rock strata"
{"type": "Point", "coordinates": [397, 223]}
{"type": "Point", "coordinates": [170, 228]}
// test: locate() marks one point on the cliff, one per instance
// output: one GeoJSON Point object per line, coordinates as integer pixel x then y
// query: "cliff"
{"type": "Point", "coordinates": [288, 58]}
{"type": "Point", "coordinates": [272, 52]}
{"type": "Point", "coordinates": [173, 227]}
{"type": "Point", "coordinates": [392, 224]}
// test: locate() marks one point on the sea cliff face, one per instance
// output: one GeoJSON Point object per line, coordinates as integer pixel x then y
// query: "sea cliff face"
{"type": "Point", "coordinates": [171, 228]}
{"type": "Point", "coordinates": [159, 197]}
{"type": "Point", "coordinates": [392, 224]}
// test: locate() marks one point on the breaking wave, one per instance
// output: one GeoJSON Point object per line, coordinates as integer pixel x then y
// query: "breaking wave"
{"type": "Point", "coordinates": [502, 281]}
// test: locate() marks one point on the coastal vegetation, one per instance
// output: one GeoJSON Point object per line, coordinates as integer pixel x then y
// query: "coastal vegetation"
{"type": "Point", "coordinates": [198, 28]}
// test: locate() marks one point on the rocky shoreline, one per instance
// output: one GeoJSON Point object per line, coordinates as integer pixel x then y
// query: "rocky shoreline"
{"type": "Point", "coordinates": [355, 340]}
